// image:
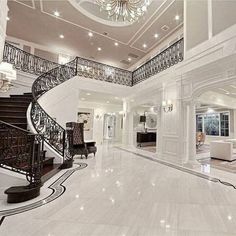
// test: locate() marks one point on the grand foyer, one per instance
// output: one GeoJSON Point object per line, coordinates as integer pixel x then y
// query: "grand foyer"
{"type": "Point", "coordinates": [69, 62]}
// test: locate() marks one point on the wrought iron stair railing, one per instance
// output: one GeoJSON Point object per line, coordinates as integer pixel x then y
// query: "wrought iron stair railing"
{"type": "Point", "coordinates": [25, 61]}
{"type": "Point", "coordinates": [53, 133]}
{"type": "Point", "coordinates": [167, 58]}
{"type": "Point", "coordinates": [30, 63]}
{"type": "Point", "coordinates": [20, 152]}
{"type": "Point", "coordinates": [98, 71]}
{"type": "Point", "coordinates": [52, 74]}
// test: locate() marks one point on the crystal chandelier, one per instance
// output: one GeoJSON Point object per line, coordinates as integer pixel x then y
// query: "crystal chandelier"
{"type": "Point", "coordinates": [125, 10]}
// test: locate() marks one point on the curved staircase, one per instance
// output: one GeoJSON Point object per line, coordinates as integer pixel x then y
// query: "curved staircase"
{"type": "Point", "coordinates": [44, 130]}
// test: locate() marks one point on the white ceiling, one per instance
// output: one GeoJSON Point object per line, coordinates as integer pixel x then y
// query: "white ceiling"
{"type": "Point", "coordinates": [34, 21]}
{"type": "Point", "coordinates": [228, 90]}
{"type": "Point", "coordinates": [97, 97]}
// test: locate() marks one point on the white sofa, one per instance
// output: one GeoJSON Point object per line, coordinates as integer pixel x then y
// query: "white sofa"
{"type": "Point", "coordinates": [233, 141]}
{"type": "Point", "coordinates": [222, 150]}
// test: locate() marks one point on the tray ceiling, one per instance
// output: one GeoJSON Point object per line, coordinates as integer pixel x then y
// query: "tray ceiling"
{"type": "Point", "coordinates": [34, 21]}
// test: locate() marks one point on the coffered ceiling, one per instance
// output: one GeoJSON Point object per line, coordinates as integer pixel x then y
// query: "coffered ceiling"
{"type": "Point", "coordinates": [34, 21]}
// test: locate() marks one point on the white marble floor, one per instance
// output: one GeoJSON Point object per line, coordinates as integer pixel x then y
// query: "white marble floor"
{"type": "Point", "coordinates": [120, 193]}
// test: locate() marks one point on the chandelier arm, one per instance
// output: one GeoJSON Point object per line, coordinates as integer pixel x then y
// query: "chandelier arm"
{"type": "Point", "coordinates": [124, 9]}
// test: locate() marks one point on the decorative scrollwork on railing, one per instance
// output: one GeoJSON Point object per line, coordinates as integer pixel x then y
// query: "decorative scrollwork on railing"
{"type": "Point", "coordinates": [20, 151]}
{"type": "Point", "coordinates": [53, 133]}
{"type": "Point", "coordinates": [25, 61]}
{"type": "Point", "coordinates": [52, 74]}
{"type": "Point", "coordinates": [99, 71]}
{"type": "Point", "coordinates": [169, 57]}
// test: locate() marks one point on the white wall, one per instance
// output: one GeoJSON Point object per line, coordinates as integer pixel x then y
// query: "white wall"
{"type": "Point", "coordinates": [223, 15]}
{"type": "Point", "coordinates": [196, 22]}
{"type": "Point", "coordinates": [98, 110]}
{"type": "Point", "coordinates": [88, 134]}
{"type": "Point", "coordinates": [62, 102]}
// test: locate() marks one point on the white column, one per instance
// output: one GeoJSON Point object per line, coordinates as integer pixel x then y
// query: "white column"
{"type": "Point", "coordinates": [3, 25]}
{"type": "Point", "coordinates": [191, 134]}
{"type": "Point", "coordinates": [125, 131]}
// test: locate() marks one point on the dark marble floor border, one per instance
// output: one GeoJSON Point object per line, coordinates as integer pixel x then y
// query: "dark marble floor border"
{"type": "Point", "coordinates": [57, 188]}
{"type": "Point", "coordinates": [181, 168]}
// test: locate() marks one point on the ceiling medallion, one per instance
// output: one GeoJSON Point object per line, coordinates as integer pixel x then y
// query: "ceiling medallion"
{"type": "Point", "coordinates": [124, 10]}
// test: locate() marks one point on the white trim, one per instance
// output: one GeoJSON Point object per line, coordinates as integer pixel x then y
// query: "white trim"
{"type": "Point", "coordinates": [26, 5]}
{"type": "Point", "coordinates": [210, 24]}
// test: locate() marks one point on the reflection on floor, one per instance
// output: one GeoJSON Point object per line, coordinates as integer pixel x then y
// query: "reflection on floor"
{"type": "Point", "coordinates": [203, 149]}
{"type": "Point", "coordinates": [120, 193]}
{"type": "Point", "coordinates": [220, 164]}
{"type": "Point", "coordinates": [203, 157]}
{"type": "Point", "coordinates": [149, 148]}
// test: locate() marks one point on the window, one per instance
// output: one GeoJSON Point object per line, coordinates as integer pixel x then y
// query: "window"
{"type": "Point", "coordinates": [224, 124]}
{"type": "Point", "coordinates": [199, 123]}
{"type": "Point", "coordinates": [212, 124]}
{"type": "Point", "coordinates": [215, 124]}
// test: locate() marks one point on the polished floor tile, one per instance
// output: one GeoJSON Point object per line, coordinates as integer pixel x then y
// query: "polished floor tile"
{"type": "Point", "coordinates": [123, 194]}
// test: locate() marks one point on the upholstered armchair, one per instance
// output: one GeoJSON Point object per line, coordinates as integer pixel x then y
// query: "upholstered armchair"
{"type": "Point", "coordinates": [77, 145]}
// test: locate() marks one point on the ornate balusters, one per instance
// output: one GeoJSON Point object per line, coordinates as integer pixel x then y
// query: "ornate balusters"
{"type": "Point", "coordinates": [20, 151]}
{"type": "Point", "coordinates": [94, 70]}
{"type": "Point", "coordinates": [162, 61]}
{"type": "Point", "coordinates": [53, 133]}
{"type": "Point", "coordinates": [25, 61]}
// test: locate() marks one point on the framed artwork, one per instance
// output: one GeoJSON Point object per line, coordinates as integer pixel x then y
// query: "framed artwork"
{"type": "Point", "coordinates": [151, 120]}
{"type": "Point", "coordinates": [85, 117]}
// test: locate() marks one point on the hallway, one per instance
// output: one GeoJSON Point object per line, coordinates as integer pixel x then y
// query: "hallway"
{"type": "Point", "coordinates": [120, 193]}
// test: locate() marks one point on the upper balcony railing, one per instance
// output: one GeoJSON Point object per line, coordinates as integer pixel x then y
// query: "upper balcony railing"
{"type": "Point", "coordinates": [99, 71]}
{"type": "Point", "coordinates": [25, 61]}
{"type": "Point", "coordinates": [167, 58]}
{"type": "Point", "coordinates": [91, 69]}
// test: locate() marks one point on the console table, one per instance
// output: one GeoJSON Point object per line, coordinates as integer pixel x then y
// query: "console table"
{"type": "Point", "coordinates": [146, 139]}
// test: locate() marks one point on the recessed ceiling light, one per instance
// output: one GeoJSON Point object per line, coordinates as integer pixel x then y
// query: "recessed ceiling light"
{"type": "Point", "coordinates": [61, 36]}
{"type": "Point", "coordinates": [56, 13]}
{"type": "Point", "coordinates": [116, 98]}
{"type": "Point", "coordinates": [156, 36]}
{"type": "Point", "coordinates": [144, 45]}
{"type": "Point", "coordinates": [116, 44]}
{"type": "Point", "coordinates": [99, 49]}
{"type": "Point", "coordinates": [90, 34]}
{"type": "Point", "coordinates": [177, 17]}
{"type": "Point", "coordinates": [88, 94]}
{"type": "Point", "coordinates": [108, 102]}
{"type": "Point", "coordinates": [129, 59]}
{"type": "Point", "coordinates": [8, 18]}
{"type": "Point", "coordinates": [82, 99]}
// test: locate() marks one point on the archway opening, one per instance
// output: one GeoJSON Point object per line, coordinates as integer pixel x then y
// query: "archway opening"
{"type": "Point", "coordinates": [216, 128]}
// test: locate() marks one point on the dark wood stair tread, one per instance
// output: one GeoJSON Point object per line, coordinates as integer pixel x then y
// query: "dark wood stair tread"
{"type": "Point", "coordinates": [50, 171]}
{"type": "Point", "coordinates": [14, 105]}
{"type": "Point", "coordinates": [20, 117]}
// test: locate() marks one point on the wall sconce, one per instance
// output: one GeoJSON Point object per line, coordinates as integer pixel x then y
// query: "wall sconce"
{"type": "Point", "coordinates": [167, 106]}
{"type": "Point", "coordinates": [98, 116]}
